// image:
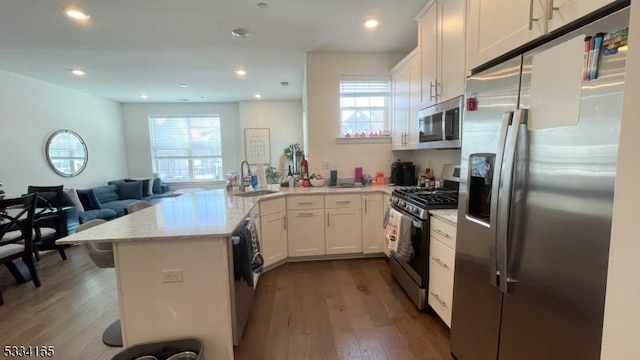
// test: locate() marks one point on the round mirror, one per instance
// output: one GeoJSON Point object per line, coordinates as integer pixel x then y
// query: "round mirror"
{"type": "Point", "coordinates": [66, 153]}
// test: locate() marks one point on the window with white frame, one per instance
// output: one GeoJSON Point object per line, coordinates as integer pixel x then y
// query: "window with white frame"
{"type": "Point", "coordinates": [364, 106]}
{"type": "Point", "coordinates": [186, 148]}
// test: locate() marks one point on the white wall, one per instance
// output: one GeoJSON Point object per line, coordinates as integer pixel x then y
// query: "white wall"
{"type": "Point", "coordinates": [136, 125]}
{"type": "Point", "coordinates": [323, 115]}
{"type": "Point", "coordinates": [283, 118]}
{"type": "Point", "coordinates": [621, 318]}
{"type": "Point", "coordinates": [32, 109]}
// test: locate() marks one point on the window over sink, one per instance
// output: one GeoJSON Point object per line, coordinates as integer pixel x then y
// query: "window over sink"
{"type": "Point", "coordinates": [186, 148]}
{"type": "Point", "coordinates": [364, 106]}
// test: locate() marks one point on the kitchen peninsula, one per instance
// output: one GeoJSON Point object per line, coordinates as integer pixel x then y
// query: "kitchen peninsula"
{"type": "Point", "coordinates": [189, 235]}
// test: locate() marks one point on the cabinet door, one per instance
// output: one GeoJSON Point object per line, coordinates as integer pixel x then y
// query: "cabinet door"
{"type": "Point", "coordinates": [451, 49]}
{"type": "Point", "coordinates": [562, 12]}
{"type": "Point", "coordinates": [305, 232]}
{"type": "Point", "coordinates": [274, 238]}
{"type": "Point", "coordinates": [400, 102]}
{"type": "Point", "coordinates": [344, 231]}
{"type": "Point", "coordinates": [372, 231]}
{"type": "Point", "coordinates": [498, 26]}
{"type": "Point", "coordinates": [412, 140]}
{"type": "Point", "coordinates": [428, 40]}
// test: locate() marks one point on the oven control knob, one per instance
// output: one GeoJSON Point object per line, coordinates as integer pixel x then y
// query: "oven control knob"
{"type": "Point", "coordinates": [402, 203]}
{"type": "Point", "coordinates": [415, 211]}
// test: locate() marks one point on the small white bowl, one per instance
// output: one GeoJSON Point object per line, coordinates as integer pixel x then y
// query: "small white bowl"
{"type": "Point", "coordinates": [318, 182]}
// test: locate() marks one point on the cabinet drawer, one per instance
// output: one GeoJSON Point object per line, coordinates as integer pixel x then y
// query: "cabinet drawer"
{"type": "Point", "coordinates": [444, 232]}
{"type": "Point", "coordinates": [268, 207]}
{"type": "Point", "coordinates": [441, 307]}
{"type": "Point", "coordinates": [305, 202]}
{"type": "Point", "coordinates": [441, 269]}
{"type": "Point", "coordinates": [342, 201]}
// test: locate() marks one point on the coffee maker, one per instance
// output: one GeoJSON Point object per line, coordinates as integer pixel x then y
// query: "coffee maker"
{"type": "Point", "coordinates": [408, 174]}
{"type": "Point", "coordinates": [396, 173]}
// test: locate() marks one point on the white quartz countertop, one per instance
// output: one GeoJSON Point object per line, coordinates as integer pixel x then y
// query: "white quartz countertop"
{"type": "Point", "coordinates": [198, 215]}
{"type": "Point", "coordinates": [450, 215]}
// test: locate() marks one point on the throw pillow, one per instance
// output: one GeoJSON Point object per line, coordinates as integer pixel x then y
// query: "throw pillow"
{"type": "Point", "coordinates": [147, 185]}
{"type": "Point", "coordinates": [157, 189]}
{"type": "Point", "coordinates": [89, 199]}
{"type": "Point", "coordinates": [73, 195]}
{"type": "Point", "coordinates": [130, 190]}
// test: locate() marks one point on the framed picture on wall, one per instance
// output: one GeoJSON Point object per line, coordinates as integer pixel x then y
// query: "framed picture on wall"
{"type": "Point", "coordinates": [257, 145]}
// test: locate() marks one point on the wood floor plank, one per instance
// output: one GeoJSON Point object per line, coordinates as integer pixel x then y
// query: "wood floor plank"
{"type": "Point", "coordinates": [75, 303]}
{"type": "Point", "coordinates": [340, 309]}
{"type": "Point", "coordinates": [325, 310]}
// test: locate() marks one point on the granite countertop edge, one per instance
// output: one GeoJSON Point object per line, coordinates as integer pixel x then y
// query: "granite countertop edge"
{"type": "Point", "coordinates": [205, 215]}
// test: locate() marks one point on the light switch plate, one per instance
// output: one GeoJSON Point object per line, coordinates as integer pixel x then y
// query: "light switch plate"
{"type": "Point", "coordinates": [325, 165]}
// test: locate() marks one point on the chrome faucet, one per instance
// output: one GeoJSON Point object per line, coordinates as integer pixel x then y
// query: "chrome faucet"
{"type": "Point", "coordinates": [243, 185]}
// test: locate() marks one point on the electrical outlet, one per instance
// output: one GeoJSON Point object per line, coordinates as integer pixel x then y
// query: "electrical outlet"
{"type": "Point", "coordinates": [325, 165]}
{"type": "Point", "coordinates": [171, 275]}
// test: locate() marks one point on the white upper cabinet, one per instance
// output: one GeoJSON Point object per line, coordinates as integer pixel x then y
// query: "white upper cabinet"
{"type": "Point", "coordinates": [405, 103]}
{"type": "Point", "coordinates": [495, 27]}
{"type": "Point", "coordinates": [441, 26]}
{"type": "Point", "coordinates": [428, 40]}
{"type": "Point", "coordinates": [562, 12]}
{"type": "Point", "coordinates": [451, 26]}
{"type": "Point", "coordinates": [400, 104]}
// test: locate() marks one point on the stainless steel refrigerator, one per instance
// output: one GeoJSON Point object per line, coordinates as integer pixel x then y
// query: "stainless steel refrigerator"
{"type": "Point", "coordinates": [539, 151]}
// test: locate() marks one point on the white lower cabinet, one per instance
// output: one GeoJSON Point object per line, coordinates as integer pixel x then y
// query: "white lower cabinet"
{"type": "Point", "coordinates": [343, 231]}
{"type": "Point", "coordinates": [274, 237]}
{"type": "Point", "coordinates": [441, 268]}
{"type": "Point", "coordinates": [306, 232]}
{"type": "Point", "coordinates": [372, 231]}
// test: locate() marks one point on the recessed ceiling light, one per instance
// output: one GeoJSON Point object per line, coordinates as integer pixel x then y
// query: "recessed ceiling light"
{"type": "Point", "coordinates": [262, 5]}
{"type": "Point", "coordinates": [240, 33]}
{"type": "Point", "coordinates": [78, 72]}
{"type": "Point", "coordinates": [257, 96]}
{"type": "Point", "coordinates": [241, 72]}
{"type": "Point", "coordinates": [185, 100]}
{"type": "Point", "coordinates": [144, 96]}
{"type": "Point", "coordinates": [284, 83]}
{"type": "Point", "coordinates": [371, 23]}
{"type": "Point", "coordinates": [183, 85]}
{"type": "Point", "coordinates": [76, 13]}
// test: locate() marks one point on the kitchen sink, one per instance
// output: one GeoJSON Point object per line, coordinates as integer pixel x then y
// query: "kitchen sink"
{"type": "Point", "coordinates": [255, 193]}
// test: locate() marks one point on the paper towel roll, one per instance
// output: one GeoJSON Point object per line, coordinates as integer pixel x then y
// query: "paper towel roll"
{"type": "Point", "coordinates": [262, 176]}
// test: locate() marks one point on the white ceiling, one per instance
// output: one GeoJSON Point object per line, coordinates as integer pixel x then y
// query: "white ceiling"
{"type": "Point", "coordinates": [130, 47]}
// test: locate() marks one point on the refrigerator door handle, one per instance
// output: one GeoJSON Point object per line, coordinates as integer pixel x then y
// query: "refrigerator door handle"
{"type": "Point", "coordinates": [504, 203]}
{"type": "Point", "coordinates": [493, 220]}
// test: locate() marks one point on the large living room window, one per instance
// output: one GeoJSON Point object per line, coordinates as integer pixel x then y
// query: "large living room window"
{"type": "Point", "coordinates": [186, 148]}
{"type": "Point", "coordinates": [364, 106]}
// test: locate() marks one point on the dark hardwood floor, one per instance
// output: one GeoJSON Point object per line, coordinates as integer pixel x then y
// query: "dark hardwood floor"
{"type": "Point", "coordinates": [343, 309]}
{"type": "Point", "coordinates": [347, 309]}
{"type": "Point", "coordinates": [76, 302]}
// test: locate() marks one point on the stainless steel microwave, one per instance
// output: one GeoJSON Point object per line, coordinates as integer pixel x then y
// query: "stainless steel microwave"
{"type": "Point", "coordinates": [440, 125]}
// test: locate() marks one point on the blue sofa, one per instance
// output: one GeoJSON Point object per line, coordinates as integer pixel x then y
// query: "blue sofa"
{"type": "Point", "coordinates": [110, 201]}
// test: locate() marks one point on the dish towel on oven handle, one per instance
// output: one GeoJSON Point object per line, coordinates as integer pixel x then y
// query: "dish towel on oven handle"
{"type": "Point", "coordinates": [398, 235]}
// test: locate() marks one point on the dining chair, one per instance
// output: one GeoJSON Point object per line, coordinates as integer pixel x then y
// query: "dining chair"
{"type": "Point", "coordinates": [49, 224]}
{"type": "Point", "coordinates": [138, 205]}
{"type": "Point", "coordinates": [102, 256]}
{"type": "Point", "coordinates": [16, 236]}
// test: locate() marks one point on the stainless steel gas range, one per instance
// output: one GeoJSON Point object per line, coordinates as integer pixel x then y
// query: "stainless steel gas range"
{"type": "Point", "coordinates": [413, 275]}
